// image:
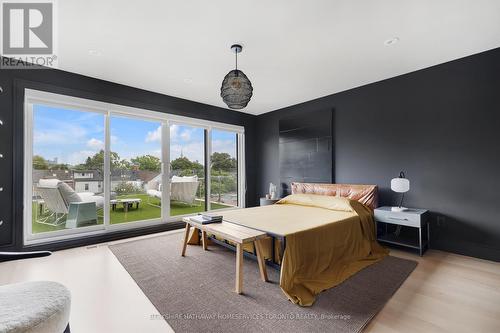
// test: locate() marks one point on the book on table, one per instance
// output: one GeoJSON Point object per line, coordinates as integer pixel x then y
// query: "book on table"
{"type": "Point", "coordinates": [211, 217]}
{"type": "Point", "coordinates": [206, 219]}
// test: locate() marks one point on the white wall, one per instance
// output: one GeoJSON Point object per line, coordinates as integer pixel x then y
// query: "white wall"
{"type": "Point", "coordinates": [80, 175]}
{"type": "Point", "coordinates": [93, 186]}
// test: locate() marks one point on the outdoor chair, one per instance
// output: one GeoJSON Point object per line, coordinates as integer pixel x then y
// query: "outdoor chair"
{"type": "Point", "coordinates": [62, 201]}
{"type": "Point", "coordinates": [181, 189]}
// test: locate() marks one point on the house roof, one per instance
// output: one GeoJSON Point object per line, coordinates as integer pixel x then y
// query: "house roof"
{"type": "Point", "coordinates": [63, 175]}
{"type": "Point", "coordinates": [133, 175]}
{"type": "Point", "coordinates": [97, 175]}
{"type": "Point", "coordinates": [146, 175]}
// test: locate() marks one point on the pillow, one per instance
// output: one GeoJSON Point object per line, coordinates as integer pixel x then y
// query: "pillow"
{"type": "Point", "coordinates": [68, 194]}
{"type": "Point", "coordinates": [320, 201]}
{"type": "Point", "coordinates": [48, 182]}
{"type": "Point", "coordinates": [185, 179]}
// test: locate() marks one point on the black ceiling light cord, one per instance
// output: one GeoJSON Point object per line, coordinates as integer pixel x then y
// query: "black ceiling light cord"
{"type": "Point", "coordinates": [236, 89]}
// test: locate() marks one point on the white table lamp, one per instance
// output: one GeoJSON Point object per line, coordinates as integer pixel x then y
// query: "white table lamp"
{"type": "Point", "coordinates": [400, 185]}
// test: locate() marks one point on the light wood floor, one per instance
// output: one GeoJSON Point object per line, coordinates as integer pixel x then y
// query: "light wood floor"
{"type": "Point", "coordinates": [445, 293]}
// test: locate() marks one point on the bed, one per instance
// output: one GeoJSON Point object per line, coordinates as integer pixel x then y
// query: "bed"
{"type": "Point", "coordinates": [319, 236]}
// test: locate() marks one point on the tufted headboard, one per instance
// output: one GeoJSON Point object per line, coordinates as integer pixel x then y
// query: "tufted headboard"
{"type": "Point", "coordinates": [366, 194]}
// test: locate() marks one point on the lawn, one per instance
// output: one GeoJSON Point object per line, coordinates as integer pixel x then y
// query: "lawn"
{"type": "Point", "coordinates": [144, 212]}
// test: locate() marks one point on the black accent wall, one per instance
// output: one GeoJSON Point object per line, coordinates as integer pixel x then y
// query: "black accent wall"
{"type": "Point", "coordinates": [13, 83]}
{"type": "Point", "coordinates": [441, 125]}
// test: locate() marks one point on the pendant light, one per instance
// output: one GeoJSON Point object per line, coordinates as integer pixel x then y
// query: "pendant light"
{"type": "Point", "coordinates": [236, 89]}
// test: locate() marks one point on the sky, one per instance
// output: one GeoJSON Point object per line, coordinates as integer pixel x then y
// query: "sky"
{"type": "Point", "coordinates": [71, 136]}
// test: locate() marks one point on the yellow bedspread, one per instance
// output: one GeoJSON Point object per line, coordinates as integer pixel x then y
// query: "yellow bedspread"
{"type": "Point", "coordinates": [325, 243]}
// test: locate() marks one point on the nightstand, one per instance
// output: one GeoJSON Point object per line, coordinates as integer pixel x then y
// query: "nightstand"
{"type": "Point", "coordinates": [267, 202]}
{"type": "Point", "coordinates": [390, 223]}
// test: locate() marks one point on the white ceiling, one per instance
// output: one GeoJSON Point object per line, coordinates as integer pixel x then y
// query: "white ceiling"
{"type": "Point", "coordinates": [294, 51]}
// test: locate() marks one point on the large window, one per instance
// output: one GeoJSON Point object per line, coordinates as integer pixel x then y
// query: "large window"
{"type": "Point", "coordinates": [224, 170]}
{"type": "Point", "coordinates": [187, 169]}
{"type": "Point", "coordinates": [135, 160]}
{"type": "Point", "coordinates": [67, 166]}
{"type": "Point", "coordinates": [93, 167]}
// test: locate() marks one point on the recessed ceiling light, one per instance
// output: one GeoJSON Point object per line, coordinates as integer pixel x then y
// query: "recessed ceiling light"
{"type": "Point", "coordinates": [95, 53]}
{"type": "Point", "coordinates": [391, 41]}
{"type": "Point", "coordinates": [188, 80]}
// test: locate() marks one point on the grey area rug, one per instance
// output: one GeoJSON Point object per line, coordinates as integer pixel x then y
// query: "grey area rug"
{"type": "Point", "coordinates": [195, 293]}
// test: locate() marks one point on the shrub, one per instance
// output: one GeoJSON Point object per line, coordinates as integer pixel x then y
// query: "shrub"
{"type": "Point", "coordinates": [127, 188]}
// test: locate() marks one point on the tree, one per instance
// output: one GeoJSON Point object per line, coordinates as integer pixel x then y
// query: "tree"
{"type": "Point", "coordinates": [223, 182]}
{"type": "Point", "coordinates": [223, 174]}
{"type": "Point", "coordinates": [181, 163]}
{"type": "Point", "coordinates": [59, 167]}
{"type": "Point", "coordinates": [96, 162]}
{"type": "Point", "coordinates": [124, 164]}
{"type": "Point", "coordinates": [198, 169]}
{"type": "Point", "coordinates": [223, 162]}
{"type": "Point", "coordinates": [186, 167]}
{"type": "Point", "coordinates": [39, 163]}
{"type": "Point", "coordinates": [147, 162]}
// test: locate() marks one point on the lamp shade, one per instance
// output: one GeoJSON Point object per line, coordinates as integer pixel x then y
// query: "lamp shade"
{"type": "Point", "coordinates": [400, 185]}
{"type": "Point", "coordinates": [236, 89]}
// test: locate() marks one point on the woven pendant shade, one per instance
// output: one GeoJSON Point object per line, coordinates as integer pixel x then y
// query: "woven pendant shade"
{"type": "Point", "coordinates": [236, 89]}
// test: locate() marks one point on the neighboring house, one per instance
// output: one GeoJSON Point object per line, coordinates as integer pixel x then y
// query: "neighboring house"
{"type": "Point", "coordinates": [88, 181]}
{"type": "Point", "coordinates": [119, 176]}
{"type": "Point", "coordinates": [63, 175]}
{"type": "Point", "coordinates": [147, 177]}
{"type": "Point", "coordinates": [153, 183]}
{"type": "Point", "coordinates": [138, 178]}
{"type": "Point", "coordinates": [93, 180]}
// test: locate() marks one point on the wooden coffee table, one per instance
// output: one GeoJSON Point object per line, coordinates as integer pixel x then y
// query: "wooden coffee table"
{"type": "Point", "coordinates": [127, 203]}
{"type": "Point", "coordinates": [234, 233]}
